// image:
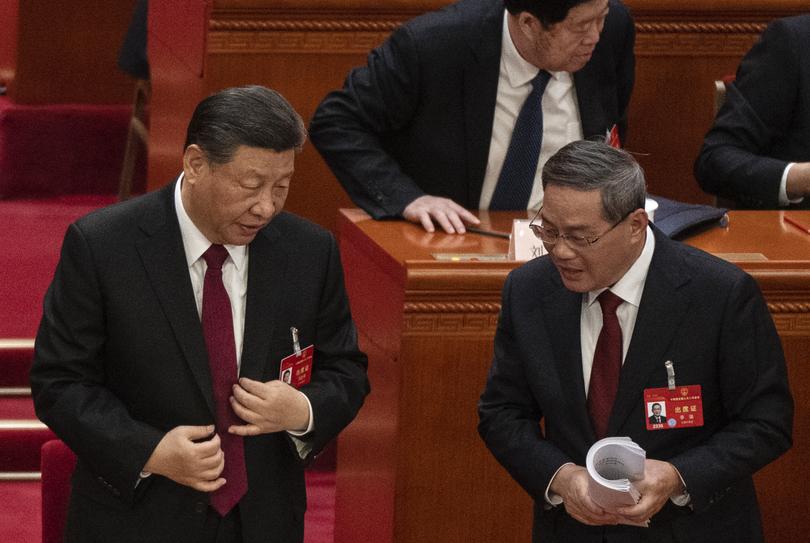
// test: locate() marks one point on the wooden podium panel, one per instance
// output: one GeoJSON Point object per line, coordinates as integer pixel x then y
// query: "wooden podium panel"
{"type": "Point", "coordinates": [412, 468]}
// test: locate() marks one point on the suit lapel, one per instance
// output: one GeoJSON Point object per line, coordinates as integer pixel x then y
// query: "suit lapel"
{"type": "Point", "coordinates": [663, 307]}
{"type": "Point", "coordinates": [266, 269]}
{"type": "Point", "coordinates": [163, 257]}
{"type": "Point", "coordinates": [480, 87]}
{"type": "Point", "coordinates": [592, 115]}
{"type": "Point", "coordinates": [563, 309]}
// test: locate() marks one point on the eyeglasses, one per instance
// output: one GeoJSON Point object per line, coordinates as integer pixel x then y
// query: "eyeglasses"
{"type": "Point", "coordinates": [550, 236]}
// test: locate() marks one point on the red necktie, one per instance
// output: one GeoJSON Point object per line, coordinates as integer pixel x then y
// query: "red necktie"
{"type": "Point", "coordinates": [217, 323]}
{"type": "Point", "coordinates": [607, 364]}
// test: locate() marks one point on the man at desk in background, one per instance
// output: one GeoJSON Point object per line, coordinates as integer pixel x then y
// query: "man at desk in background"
{"type": "Point", "coordinates": [166, 327]}
{"type": "Point", "coordinates": [582, 343]}
{"type": "Point", "coordinates": [460, 108]}
{"type": "Point", "coordinates": [758, 151]}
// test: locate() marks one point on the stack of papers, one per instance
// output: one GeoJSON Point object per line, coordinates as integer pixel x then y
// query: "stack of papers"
{"type": "Point", "coordinates": [613, 464]}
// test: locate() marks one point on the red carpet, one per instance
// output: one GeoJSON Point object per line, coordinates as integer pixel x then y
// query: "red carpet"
{"type": "Point", "coordinates": [20, 519]}
{"type": "Point", "coordinates": [31, 238]}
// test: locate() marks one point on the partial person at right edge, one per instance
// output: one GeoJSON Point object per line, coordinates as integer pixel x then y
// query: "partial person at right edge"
{"type": "Point", "coordinates": [424, 129]}
{"type": "Point", "coordinates": [758, 151]}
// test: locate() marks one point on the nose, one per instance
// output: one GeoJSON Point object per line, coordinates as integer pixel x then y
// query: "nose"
{"type": "Point", "coordinates": [561, 250]}
{"type": "Point", "coordinates": [264, 206]}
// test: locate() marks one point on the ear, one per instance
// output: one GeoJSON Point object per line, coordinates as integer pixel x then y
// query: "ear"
{"type": "Point", "coordinates": [195, 163]}
{"type": "Point", "coordinates": [528, 25]}
{"type": "Point", "coordinates": [638, 223]}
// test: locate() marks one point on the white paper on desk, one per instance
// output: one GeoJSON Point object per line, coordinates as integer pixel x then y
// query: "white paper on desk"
{"type": "Point", "coordinates": [613, 464]}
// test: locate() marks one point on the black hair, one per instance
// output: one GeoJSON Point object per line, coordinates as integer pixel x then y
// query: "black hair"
{"type": "Point", "coordinates": [253, 116]}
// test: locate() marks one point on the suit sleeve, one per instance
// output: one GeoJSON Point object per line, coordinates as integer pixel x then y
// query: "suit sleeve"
{"type": "Point", "coordinates": [625, 74]}
{"type": "Point", "coordinates": [68, 375]}
{"type": "Point", "coordinates": [349, 126]}
{"type": "Point", "coordinates": [339, 383]}
{"type": "Point", "coordinates": [736, 158]}
{"type": "Point", "coordinates": [756, 401]}
{"type": "Point", "coordinates": [509, 417]}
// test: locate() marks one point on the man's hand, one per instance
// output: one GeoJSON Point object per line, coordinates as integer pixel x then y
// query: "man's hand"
{"type": "Point", "coordinates": [450, 216]}
{"type": "Point", "coordinates": [268, 407]}
{"type": "Point", "coordinates": [571, 483]}
{"type": "Point", "coordinates": [197, 465]}
{"type": "Point", "coordinates": [798, 181]}
{"type": "Point", "coordinates": [661, 481]}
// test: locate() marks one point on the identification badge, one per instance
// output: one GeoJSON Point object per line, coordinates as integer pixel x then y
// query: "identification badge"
{"type": "Point", "coordinates": [296, 369]}
{"type": "Point", "coordinates": [679, 407]}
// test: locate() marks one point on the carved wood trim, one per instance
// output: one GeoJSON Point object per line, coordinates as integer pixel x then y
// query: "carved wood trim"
{"type": "Point", "coordinates": [788, 307]}
{"type": "Point", "coordinates": [335, 25]}
{"type": "Point", "coordinates": [452, 307]}
{"type": "Point", "coordinates": [261, 41]}
{"type": "Point", "coordinates": [699, 28]}
{"type": "Point", "coordinates": [448, 323]}
{"type": "Point", "coordinates": [790, 318]}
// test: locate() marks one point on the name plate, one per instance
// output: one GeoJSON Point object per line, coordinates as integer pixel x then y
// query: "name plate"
{"type": "Point", "coordinates": [523, 244]}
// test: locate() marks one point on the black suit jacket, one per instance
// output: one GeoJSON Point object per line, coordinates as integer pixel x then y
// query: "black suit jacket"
{"type": "Point", "coordinates": [120, 360]}
{"type": "Point", "coordinates": [707, 317]}
{"type": "Point", "coordinates": [765, 121]}
{"type": "Point", "coordinates": [417, 119]}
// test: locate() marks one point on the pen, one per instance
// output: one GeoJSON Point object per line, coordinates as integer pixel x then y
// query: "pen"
{"type": "Point", "coordinates": [798, 224]}
{"type": "Point", "coordinates": [493, 233]}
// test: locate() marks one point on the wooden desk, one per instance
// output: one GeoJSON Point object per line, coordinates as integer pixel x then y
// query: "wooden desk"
{"type": "Point", "coordinates": [412, 468]}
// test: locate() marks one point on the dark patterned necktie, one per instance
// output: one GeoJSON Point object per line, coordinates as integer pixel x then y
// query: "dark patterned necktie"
{"type": "Point", "coordinates": [520, 164]}
{"type": "Point", "coordinates": [607, 364]}
{"type": "Point", "coordinates": [217, 323]}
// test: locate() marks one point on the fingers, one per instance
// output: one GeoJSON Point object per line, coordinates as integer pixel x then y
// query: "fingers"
{"type": "Point", "coordinates": [194, 433]}
{"type": "Point", "coordinates": [248, 430]}
{"type": "Point", "coordinates": [257, 388]}
{"type": "Point", "coordinates": [427, 224]}
{"type": "Point", "coordinates": [243, 412]}
{"type": "Point", "coordinates": [208, 486]}
{"type": "Point", "coordinates": [445, 212]}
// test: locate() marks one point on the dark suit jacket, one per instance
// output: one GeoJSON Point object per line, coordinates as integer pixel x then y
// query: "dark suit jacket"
{"type": "Point", "coordinates": [120, 360]}
{"type": "Point", "coordinates": [657, 419]}
{"type": "Point", "coordinates": [417, 119]}
{"type": "Point", "coordinates": [765, 121]}
{"type": "Point", "coordinates": [707, 317]}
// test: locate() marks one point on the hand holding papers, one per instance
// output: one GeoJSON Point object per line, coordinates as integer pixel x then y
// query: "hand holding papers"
{"type": "Point", "coordinates": [613, 464]}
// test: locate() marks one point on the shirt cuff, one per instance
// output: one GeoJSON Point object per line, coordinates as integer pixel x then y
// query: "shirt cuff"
{"type": "Point", "coordinates": [311, 424]}
{"type": "Point", "coordinates": [683, 499]}
{"type": "Point", "coordinates": [551, 498]}
{"type": "Point", "coordinates": [784, 201]}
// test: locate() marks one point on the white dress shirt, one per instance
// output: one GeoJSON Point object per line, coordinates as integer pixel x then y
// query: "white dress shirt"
{"type": "Point", "coordinates": [561, 121]}
{"type": "Point", "coordinates": [234, 277]}
{"type": "Point", "coordinates": [629, 288]}
{"type": "Point", "coordinates": [783, 197]}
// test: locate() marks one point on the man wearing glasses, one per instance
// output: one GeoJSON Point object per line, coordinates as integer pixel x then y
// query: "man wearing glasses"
{"type": "Point", "coordinates": [613, 313]}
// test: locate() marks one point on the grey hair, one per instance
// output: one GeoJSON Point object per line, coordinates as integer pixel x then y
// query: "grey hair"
{"type": "Point", "coordinates": [588, 165]}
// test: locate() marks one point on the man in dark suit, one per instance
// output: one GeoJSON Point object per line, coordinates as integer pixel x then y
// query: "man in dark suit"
{"type": "Point", "coordinates": [758, 151]}
{"type": "Point", "coordinates": [136, 370]}
{"type": "Point", "coordinates": [424, 129]}
{"type": "Point", "coordinates": [657, 417]}
{"type": "Point", "coordinates": [586, 331]}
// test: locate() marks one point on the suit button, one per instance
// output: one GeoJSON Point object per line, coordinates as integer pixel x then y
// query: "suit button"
{"type": "Point", "coordinates": [199, 507]}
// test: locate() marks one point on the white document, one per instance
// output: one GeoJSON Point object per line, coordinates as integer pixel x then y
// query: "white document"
{"type": "Point", "coordinates": [613, 464]}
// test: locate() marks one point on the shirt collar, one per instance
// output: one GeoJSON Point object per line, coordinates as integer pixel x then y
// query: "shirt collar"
{"type": "Point", "coordinates": [631, 286]}
{"type": "Point", "coordinates": [194, 242]}
{"type": "Point", "coordinates": [519, 71]}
